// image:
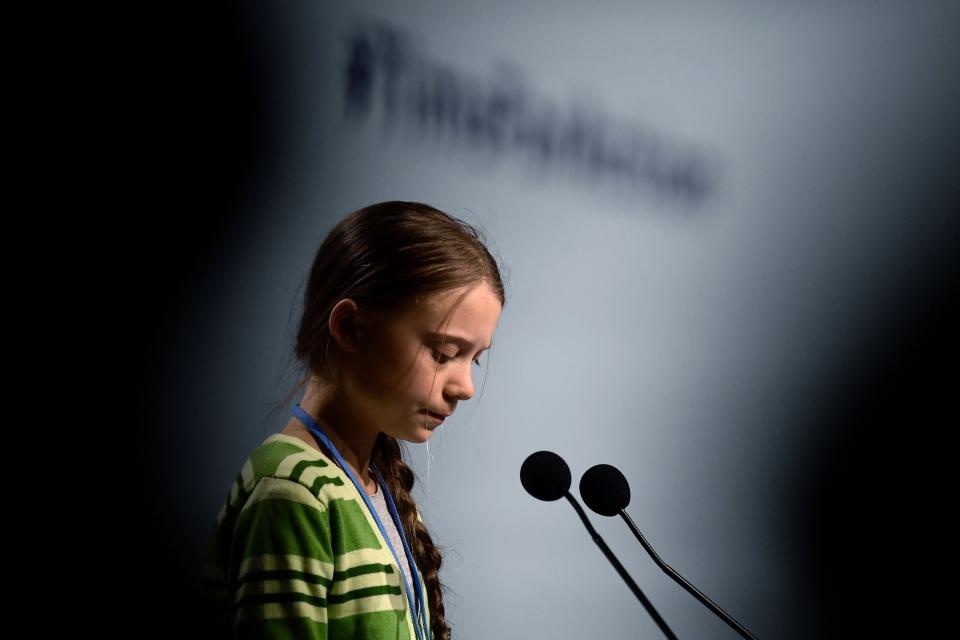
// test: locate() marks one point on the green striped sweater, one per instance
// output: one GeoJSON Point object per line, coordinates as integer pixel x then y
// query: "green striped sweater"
{"type": "Point", "coordinates": [296, 554]}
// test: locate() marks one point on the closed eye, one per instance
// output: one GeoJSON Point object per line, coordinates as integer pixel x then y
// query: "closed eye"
{"type": "Point", "coordinates": [443, 358]}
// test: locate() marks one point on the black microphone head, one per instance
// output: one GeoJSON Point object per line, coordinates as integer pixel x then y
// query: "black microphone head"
{"type": "Point", "coordinates": [604, 489]}
{"type": "Point", "coordinates": [545, 476]}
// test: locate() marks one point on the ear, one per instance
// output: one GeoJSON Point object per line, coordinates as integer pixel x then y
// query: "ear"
{"type": "Point", "coordinates": [347, 324]}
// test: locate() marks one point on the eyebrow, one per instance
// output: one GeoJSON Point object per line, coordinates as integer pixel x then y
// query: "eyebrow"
{"type": "Point", "coordinates": [463, 342]}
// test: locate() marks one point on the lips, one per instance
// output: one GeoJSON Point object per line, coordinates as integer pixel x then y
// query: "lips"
{"type": "Point", "coordinates": [439, 417]}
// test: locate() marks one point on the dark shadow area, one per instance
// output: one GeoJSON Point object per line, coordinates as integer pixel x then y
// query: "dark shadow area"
{"type": "Point", "coordinates": [871, 518]}
{"type": "Point", "coordinates": [195, 84]}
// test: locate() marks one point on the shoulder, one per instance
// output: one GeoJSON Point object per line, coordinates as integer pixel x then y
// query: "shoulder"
{"type": "Point", "coordinates": [285, 467]}
{"type": "Point", "coordinates": [287, 457]}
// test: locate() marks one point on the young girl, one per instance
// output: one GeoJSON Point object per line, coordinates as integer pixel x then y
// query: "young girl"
{"type": "Point", "coordinates": [320, 537]}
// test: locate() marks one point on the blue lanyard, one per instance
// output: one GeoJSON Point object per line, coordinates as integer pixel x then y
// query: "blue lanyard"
{"type": "Point", "coordinates": [419, 622]}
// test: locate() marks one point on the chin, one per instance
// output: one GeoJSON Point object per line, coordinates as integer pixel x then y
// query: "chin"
{"type": "Point", "coordinates": [420, 435]}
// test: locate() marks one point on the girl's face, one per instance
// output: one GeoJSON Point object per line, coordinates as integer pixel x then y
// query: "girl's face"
{"type": "Point", "coordinates": [422, 362]}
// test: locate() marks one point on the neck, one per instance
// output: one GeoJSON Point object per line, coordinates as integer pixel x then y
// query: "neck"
{"type": "Point", "coordinates": [355, 444]}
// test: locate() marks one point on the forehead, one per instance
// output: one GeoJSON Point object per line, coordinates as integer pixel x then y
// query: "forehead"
{"type": "Point", "coordinates": [467, 313]}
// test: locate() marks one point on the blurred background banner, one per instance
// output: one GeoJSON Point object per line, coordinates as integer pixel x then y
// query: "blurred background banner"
{"type": "Point", "coordinates": [729, 238]}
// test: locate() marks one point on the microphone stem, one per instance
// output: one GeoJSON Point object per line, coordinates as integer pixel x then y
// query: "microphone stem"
{"type": "Point", "coordinates": [619, 567]}
{"type": "Point", "coordinates": [696, 593]}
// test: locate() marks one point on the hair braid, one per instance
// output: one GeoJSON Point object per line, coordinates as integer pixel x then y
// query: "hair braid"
{"type": "Point", "coordinates": [400, 479]}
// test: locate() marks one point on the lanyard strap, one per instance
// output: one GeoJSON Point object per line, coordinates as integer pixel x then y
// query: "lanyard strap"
{"type": "Point", "coordinates": [419, 622]}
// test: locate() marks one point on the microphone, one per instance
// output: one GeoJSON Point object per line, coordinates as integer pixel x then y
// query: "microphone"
{"type": "Point", "coordinates": [606, 491]}
{"type": "Point", "coordinates": [546, 476]}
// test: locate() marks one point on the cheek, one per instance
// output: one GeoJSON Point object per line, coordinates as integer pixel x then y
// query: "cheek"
{"type": "Point", "coordinates": [405, 371]}
{"type": "Point", "coordinates": [383, 360]}
{"type": "Point", "coordinates": [431, 379]}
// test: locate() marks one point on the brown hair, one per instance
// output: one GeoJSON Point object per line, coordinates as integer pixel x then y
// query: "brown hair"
{"type": "Point", "coordinates": [385, 257]}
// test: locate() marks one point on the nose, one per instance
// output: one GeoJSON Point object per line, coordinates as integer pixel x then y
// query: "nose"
{"type": "Point", "coordinates": [460, 383]}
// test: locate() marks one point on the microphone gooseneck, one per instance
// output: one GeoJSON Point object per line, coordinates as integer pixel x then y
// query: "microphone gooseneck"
{"type": "Point", "coordinates": [606, 491]}
{"type": "Point", "coordinates": [546, 476]}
